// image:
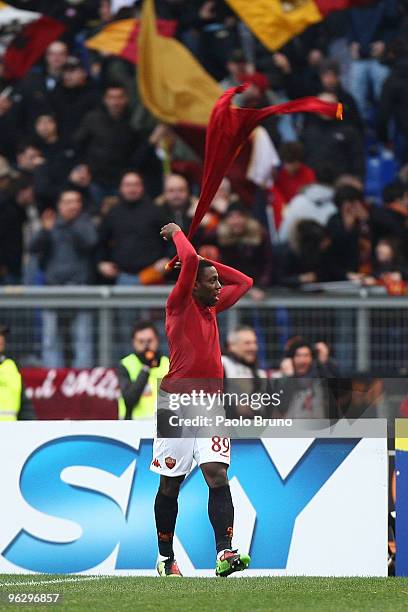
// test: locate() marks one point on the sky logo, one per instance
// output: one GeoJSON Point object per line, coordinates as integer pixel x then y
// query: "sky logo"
{"type": "Point", "coordinates": [127, 520]}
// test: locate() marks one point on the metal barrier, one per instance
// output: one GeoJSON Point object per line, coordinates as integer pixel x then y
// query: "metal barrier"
{"type": "Point", "coordinates": [366, 333]}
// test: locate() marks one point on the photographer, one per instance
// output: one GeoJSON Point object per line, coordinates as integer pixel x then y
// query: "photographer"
{"type": "Point", "coordinates": [140, 372]}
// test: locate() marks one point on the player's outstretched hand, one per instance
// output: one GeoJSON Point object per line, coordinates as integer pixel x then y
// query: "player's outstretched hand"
{"type": "Point", "coordinates": [167, 232]}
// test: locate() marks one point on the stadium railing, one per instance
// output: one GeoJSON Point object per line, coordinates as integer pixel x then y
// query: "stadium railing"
{"type": "Point", "coordinates": [366, 333]}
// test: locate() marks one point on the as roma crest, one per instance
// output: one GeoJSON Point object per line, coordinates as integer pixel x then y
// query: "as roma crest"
{"type": "Point", "coordinates": [170, 462]}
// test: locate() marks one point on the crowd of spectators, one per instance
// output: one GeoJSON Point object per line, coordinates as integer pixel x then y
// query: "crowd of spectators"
{"type": "Point", "coordinates": [88, 176]}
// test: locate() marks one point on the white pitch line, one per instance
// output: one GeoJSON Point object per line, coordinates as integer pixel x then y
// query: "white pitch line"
{"type": "Point", "coordinates": [54, 581]}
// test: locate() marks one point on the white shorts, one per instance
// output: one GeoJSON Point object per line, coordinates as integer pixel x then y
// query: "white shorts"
{"type": "Point", "coordinates": [174, 456]}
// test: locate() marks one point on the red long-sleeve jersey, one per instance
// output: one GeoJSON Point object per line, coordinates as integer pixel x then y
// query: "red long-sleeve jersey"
{"type": "Point", "coordinates": [192, 330]}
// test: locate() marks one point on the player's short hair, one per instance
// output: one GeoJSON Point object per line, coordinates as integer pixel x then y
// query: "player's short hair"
{"type": "Point", "coordinates": [142, 325]}
{"type": "Point", "coordinates": [202, 265]}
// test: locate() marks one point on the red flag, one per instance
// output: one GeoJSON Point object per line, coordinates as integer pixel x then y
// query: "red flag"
{"type": "Point", "coordinates": [29, 45]}
{"type": "Point", "coordinates": [228, 129]}
{"type": "Point", "coordinates": [329, 6]}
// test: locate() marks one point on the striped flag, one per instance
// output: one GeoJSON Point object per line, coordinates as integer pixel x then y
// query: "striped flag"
{"type": "Point", "coordinates": [11, 22]}
{"type": "Point", "coordinates": [120, 37]}
{"type": "Point", "coordinates": [25, 35]}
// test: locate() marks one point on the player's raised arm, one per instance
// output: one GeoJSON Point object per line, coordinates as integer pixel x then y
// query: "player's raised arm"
{"type": "Point", "coordinates": [234, 285]}
{"type": "Point", "coordinates": [189, 264]}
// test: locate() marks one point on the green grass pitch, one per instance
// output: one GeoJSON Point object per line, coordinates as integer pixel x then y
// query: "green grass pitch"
{"type": "Point", "coordinates": [210, 594]}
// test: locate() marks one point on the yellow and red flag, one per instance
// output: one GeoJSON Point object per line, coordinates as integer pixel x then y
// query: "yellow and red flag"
{"type": "Point", "coordinates": [275, 22]}
{"type": "Point", "coordinates": [120, 37]}
{"type": "Point", "coordinates": [173, 85]}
